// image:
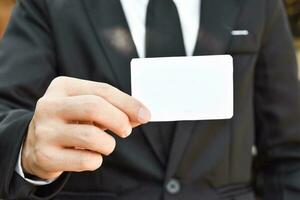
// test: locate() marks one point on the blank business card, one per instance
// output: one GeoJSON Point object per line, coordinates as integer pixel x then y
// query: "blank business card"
{"type": "Point", "coordinates": [184, 88]}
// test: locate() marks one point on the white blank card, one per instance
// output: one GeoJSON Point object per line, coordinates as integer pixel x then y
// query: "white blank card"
{"type": "Point", "coordinates": [184, 88]}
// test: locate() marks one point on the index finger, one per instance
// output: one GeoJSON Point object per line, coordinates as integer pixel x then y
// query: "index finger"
{"type": "Point", "coordinates": [134, 109]}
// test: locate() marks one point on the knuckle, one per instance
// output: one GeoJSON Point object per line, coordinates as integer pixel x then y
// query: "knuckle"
{"type": "Point", "coordinates": [106, 90]}
{"type": "Point", "coordinates": [90, 163]}
{"type": "Point", "coordinates": [84, 164]}
{"type": "Point", "coordinates": [86, 136]}
{"type": "Point", "coordinates": [92, 107]}
{"type": "Point", "coordinates": [42, 157]}
{"type": "Point", "coordinates": [42, 104]}
{"type": "Point", "coordinates": [136, 105]}
{"type": "Point", "coordinates": [59, 80]}
{"type": "Point", "coordinates": [45, 106]}
{"type": "Point", "coordinates": [41, 132]}
{"type": "Point", "coordinates": [59, 84]}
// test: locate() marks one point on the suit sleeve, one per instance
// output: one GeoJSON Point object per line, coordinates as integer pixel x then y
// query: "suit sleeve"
{"type": "Point", "coordinates": [27, 65]}
{"type": "Point", "coordinates": [277, 109]}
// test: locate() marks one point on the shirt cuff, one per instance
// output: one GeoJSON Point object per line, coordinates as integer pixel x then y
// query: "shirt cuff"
{"type": "Point", "coordinates": [19, 170]}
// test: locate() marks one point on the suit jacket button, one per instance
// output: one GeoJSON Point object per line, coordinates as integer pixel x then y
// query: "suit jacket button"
{"type": "Point", "coordinates": [173, 186]}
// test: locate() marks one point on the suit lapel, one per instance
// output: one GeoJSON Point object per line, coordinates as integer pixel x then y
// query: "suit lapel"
{"type": "Point", "coordinates": [217, 21]}
{"type": "Point", "coordinates": [151, 131]}
{"type": "Point", "coordinates": [109, 22]}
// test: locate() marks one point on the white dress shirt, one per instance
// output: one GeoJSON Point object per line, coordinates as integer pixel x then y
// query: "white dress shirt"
{"type": "Point", "coordinates": [189, 14]}
{"type": "Point", "coordinates": [135, 13]}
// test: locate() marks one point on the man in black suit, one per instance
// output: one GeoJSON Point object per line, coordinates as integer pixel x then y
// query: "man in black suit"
{"type": "Point", "coordinates": [52, 128]}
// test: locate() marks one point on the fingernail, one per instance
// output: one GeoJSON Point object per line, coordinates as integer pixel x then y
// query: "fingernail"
{"type": "Point", "coordinates": [127, 133]}
{"type": "Point", "coordinates": [144, 115]}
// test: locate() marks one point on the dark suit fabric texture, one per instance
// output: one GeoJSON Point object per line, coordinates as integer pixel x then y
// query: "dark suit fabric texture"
{"type": "Point", "coordinates": [211, 160]}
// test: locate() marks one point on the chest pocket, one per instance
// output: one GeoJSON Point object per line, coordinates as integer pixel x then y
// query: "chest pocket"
{"type": "Point", "coordinates": [243, 43]}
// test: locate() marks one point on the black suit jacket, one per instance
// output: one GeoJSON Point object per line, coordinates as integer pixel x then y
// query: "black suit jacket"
{"type": "Point", "coordinates": [211, 160]}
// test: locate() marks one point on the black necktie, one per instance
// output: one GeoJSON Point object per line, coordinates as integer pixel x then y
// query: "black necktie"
{"type": "Point", "coordinates": [163, 30]}
{"type": "Point", "coordinates": [164, 38]}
